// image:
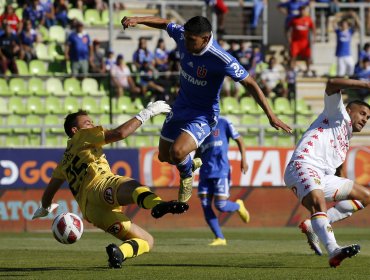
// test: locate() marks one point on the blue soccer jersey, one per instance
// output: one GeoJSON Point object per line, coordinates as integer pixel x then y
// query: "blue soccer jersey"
{"type": "Point", "coordinates": [202, 75]}
{"type": "Point", "coordinates": [213, 151]}
{"type": "Point", "coordinates": [344, 38]}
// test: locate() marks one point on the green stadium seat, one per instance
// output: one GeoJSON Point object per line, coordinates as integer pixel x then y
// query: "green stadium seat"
{"type": "Point", "coordinates": [4, 88]}
{"type": "Point", "coordinates": [18, 86]}
{"type": "Point", "coordinates": [105, 17]}
{"type": "Point", "coordinates": [44, 32]}
{"type": "Point", "coordinates": [250, 120]}
{"type": "Point", "coordinates": [304, 122]}
{"type": "Point", "coordinates": [268, 128]}
{"type": "Point", "coordinates": [73, 87]}
{"type": "Point", "coordinates": [122, 118]}
{"type": "Point", "coordinates": [37, 67]}
{"type": "Point", "coordinates": [14, 141]}
{"type": "Point", "coordinates": [56, 51]}
{"type": "Point", "coordinates": [74, 13]}
{"type": "Point", "coordinates": [124, 104]}
{"type": "Point", "coordinates": [33, 140]}
{"type": "Point", "coordinates": [53, 123]}
{"type": "Point", "coordinates": [71, 104]}
{"type": "Point", "coordinates": [284, 139]}
{"type": "Point", "coordinates": [42, 52]}
{"type": "Point", "coordinates": [16, 121]}
{"type": "Point", "coordinates": [117, 17]}
{"type": "Point", "coordinates": [36, 87]}
{"type": "Point", "coordinates": [92, 17]}
{"type": "Point", "coordinates": [269, 141]}
{"type": "Point", "coordinates": [22, 67]}
{"type": "Point", "coordinates": [35, 106]}
{"type": "Point", "coordinates": [4, 129]}
{"type": "Point", "coordinates": [105, 104]}
{"type": "Point", "coordinates": [234, 119]}
{"type": "Point", "coordinates": [250, 140]}
{"type": "Point", "coordinates": [155, 124]}
{"type": "Point", "coordinates": [90, 105]}
{"type": "Point", "coordinates": [302, 107]}
{"type": "Point", "coordinates": [139, 141]}
{"type": "Point", "coordinates": [19, 13]}
{"type": "Point", "coordinates": [3, 107]}
{"type": "Point", "coordinates": [138, 103]}
{"type": "Point", "coordinates": [52, 141]}
{"type": "Point", "coordinates": [259, 109]}
{"type": "Point", "coordinates": [90, 86]}
{"type": "Point", "coordinates": [16, 106]}
{"type": "Point", "coordinates": [248, 105]}
{"type": "Point", "coordinates": [104, 120]}
{"type": "Point", "coordinates": [53, 105]}
{"type": "Point", "coordinates": [34, 120]}
{"type": "Point", "coordinates": [229, 105]}
{"type": "Point", "coordinates": [283, 106]}
{"type": "Point", "coordinates": [57, 34]}
{"type": "Point", "coordinates": [54, 87]}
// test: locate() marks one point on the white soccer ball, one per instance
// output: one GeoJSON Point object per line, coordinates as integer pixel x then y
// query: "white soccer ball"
{"type": "Point", "coordinates": [67, 228]}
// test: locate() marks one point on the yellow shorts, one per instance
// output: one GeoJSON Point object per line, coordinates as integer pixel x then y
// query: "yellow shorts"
{"type": "Point", "coordinates": [102, 208]}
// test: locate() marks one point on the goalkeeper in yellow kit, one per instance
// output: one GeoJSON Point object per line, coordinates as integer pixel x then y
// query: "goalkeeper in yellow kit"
{"type": "Point", "coordinates": [100, 193]}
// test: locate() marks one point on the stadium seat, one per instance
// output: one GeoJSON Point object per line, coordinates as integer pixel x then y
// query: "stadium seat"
{"type": "Point", "coordinates": [44, 32]}
{"type": "Point", "coordinates": [250, 120]}
{"type": "Point", "coordinates": [4, 88]}
{"type": "Point", "coordinates": [73, 87]}
{"type": "Point", "coordinates": [71, 104]}
{"type": "Point", "coordinates": [122, 118]}
{"type": "Point", "coordinates": [138, 141]}
{"type": "Point", "coordinates": [89, 104]}
{"type": "Point", "coordinates": [284, 139]}
{"type": "Point", "coordinates": [22, 67]}
{"type": "Point", "coordinates": [53, 105]}
{"type": "Point", "coordinates": [269, 140]}
{"type": "Point", "coordinates": [229, 105]}
{"type": "Point", "coordinates": [248, 105]}
{"type": "Point", "coordinates": [33, 140]}
{"type": "Point", "coordinates": [19, 13]}
{"type": "Point", "coordinates": [34, 120]}
{"type": "Point", "coordinates": [74, 13]}
{"type": "Point", "coordinates": [16, 122]}
{"type": "Point", "coordinates": [90, 86]}
{"type": "Point", "coordinates": [35, 106]}
{"type": "Point", "coordinates": [104, 120]}
{"type": "Point", "coordinates": [105, 17]}
{"type": "Point", "coordinates": [14, 141]}
{"type": "Point", "coordinates": [16, 106]}
{"type": "Point", "coordinates": [304, 122]}
{"type": "Point", "coordinates": [250, 140]}
{"type": "Point", "coordinates": [105, 104]}
{"type": "Point", "coordinates": [282, 106]}
{"type": "Point", "coordinates": [55, 51]}
{"type": "Point", "coordinates": [265, 122]}
{"type": "Point", "coordinates": [234, 119]}
{"type": "Point", "coordinates": [42, 52]}
{"type": "Point", "coordinates": [57, 34]}
{"type": "Point", "coordinates": [54, 86]}
{"type": "Point", "coordinates": [37, 67]}
{"type": "Point", "coordinates": [53, 124]}
{"type": "Point", "coordinates": [18, 86]}
{"type": "Point", "coordinates": [155, 124]}
{"type": "Point", "coordinates": [92, 17]}
{"type": "Point", "coordinates": [123, 105]}
{"type": "Point", "coordinates": [52, 141]}
{"type": "Point", "coordinates": [118, 16]}
{"type": "Point", "coordinates": [302, 107]}
{"type": "Point", "coordinates": [36, 87]}
{"type": "Point", "coordinates": [3, 107]}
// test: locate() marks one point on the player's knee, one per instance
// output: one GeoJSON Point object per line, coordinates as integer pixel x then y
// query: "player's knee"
{"type": "Point", "coordinates": [220, 205]}
{"type": "Point", "coordinates": [365, 200]}
{"type": "Point", "coordinates": [205, 202]}
{"type": "Point", "coordinates": [177, 154]}
{"type": "Point", "coordinates": [150, 241]}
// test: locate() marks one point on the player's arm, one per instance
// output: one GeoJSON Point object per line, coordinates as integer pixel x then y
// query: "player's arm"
{"type": "Point", "coordinates": [129, 127]}
{"type": "Point", "coordinates": [154, 22]}
{"type": "Point", "coordinates": [46, 205]}
{"type": "Point", "coordinates": [258, 95]}
{"type": "Point", "coordinates": [241, 146]}
{"type": "Point", "coordinates": [335, 85]}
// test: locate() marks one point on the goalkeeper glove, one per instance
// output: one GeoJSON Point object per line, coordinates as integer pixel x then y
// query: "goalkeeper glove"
{"type": "Point", "coordinates": [42, 212]}
{"type": "Point", "coordinates": [153, 109]}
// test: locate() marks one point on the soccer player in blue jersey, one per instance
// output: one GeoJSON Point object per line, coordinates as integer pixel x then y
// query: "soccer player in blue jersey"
{"type": "Point", "coordinates": [214, 176]}
{"type": "Point", "coordinates": [204, 65]}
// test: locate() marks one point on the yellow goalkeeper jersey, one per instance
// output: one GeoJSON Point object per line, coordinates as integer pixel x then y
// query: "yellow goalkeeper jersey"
{"type": "Point", "coordinates": [83, 162]}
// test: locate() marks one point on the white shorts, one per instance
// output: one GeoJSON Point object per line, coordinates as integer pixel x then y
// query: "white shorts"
{"type": "Point", "coordinates": [303, 178]}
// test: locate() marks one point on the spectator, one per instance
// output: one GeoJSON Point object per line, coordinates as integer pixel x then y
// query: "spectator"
{"type": "Point", "coordinates": [161, 56]}
{"type": "Point", "coordinates": [291, 9]}
{"type": "Point", "coordinates": [61, 12]}
{"type": "Point", "coordinates": [221, 10]}
{"type": "Point", "coordinates": [49, 12]}
{"type": "Point", "coordinates": [10, 49]}
{"type": "Point", "coordinates": [272, 80]}
{"type": "Point", "coordinates": [28, 37]}
{"type": "Point", "coordinates": [35, 13]}
{"type": "Point", "coordinates": [97, 63]}
{"type": "Point", "coordinates": [258, 6]}
{"type": "Point", "coordinates": [364, 53]}
{"type": "Point", "coordinates": [143, 54]}
{"type": "Point", "coordinates": [122, 80]}
{"type": "Point", "coordinates": [291, 78]}
{"type": "Point", "coordinates": [344, 32]}
{"type": "Point", "coordinates": [257, 59]}
{"type": "Point", "coordinates": [78, 50]}
{"type": "Point", "coordinates": [9, 17]}
{"type": "Point", "coordinates": [362, 72]}
{"type": "Point", "coordinates": [110, 61]}
{"type": "Point", "coordinates": [298, 34]}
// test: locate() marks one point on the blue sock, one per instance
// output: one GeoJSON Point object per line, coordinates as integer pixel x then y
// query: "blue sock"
{"type": "Point", "coordinates": [185, 167]}
{"type": "Point", "coordinates": [226, 206]}
{"type": "Point", "coordinates": [211, 218]}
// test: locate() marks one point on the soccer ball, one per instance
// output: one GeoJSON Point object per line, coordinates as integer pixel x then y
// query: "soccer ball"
{"type": "Point", "coordinates": [67, 228]}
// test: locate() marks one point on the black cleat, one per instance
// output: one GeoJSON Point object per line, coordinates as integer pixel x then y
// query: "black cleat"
{"type": "Point", "coordinates": [174, 207]}
{"type": "Point", "coordinates": [342, 253]}
{"type": "Point", "coordinates": [115, 255]}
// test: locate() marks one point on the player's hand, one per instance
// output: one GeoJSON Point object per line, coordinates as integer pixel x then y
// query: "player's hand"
{"type": "Point", "coordinates": [277, 123]}
{"type": "Point", "coordinates": [128, 22]}
{"type": "Point", "coordinates": [244, 167]}
{"type": "Point", "coordinates": [153, 109]}
{"type": "Point", "coordinates": [42, 212]}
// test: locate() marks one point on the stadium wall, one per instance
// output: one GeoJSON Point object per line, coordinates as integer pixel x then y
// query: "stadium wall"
{"type": "Point", "coordinates": [24, 174]}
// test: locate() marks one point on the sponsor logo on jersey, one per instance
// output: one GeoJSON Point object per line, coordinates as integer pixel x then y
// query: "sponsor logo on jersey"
{"type": "Point", "coordinates": [193, 80]}
{"type": "Point", "coordinates": [108, 195]}
{"type": "Point", "coordinates": [115, 228]}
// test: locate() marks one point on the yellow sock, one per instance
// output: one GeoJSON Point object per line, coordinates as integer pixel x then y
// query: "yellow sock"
{"type": "Point", "coordinates": [144, 198]}
{"type": "Point", "coordinates": [134, 247]}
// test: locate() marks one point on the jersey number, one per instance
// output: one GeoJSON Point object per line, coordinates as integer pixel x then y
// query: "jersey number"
{"type": "Point", "coordinates": [74, 172]}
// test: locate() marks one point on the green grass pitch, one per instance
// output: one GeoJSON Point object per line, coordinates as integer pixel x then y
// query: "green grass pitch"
{"type": "Point", "coordinates": [263, 253]}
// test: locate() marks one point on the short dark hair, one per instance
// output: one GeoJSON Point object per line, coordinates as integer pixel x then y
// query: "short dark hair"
{"type": "Point", "coordinates": [198, 25]}
{"type": "Point", "coordinates": [358, 102]}
{"type": "Point", "coordinates": [71, 121]}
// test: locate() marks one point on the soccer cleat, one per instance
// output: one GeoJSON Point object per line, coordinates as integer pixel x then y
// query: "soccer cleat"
{"type": "Point", "coordinates": [186, 184]}
{"type": "Point", "coordinates": [312, 238]}
{"type": "Point", "coordinates": [174, 207]}
{"type": "Point", "coordinates": [115, 255]}
{"type": "Point", "coordinates": [242, 211]}
{"type": "Point", "coordinates": [218, 242]}
{"type": "Point", "coordinates": [342, 253]}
